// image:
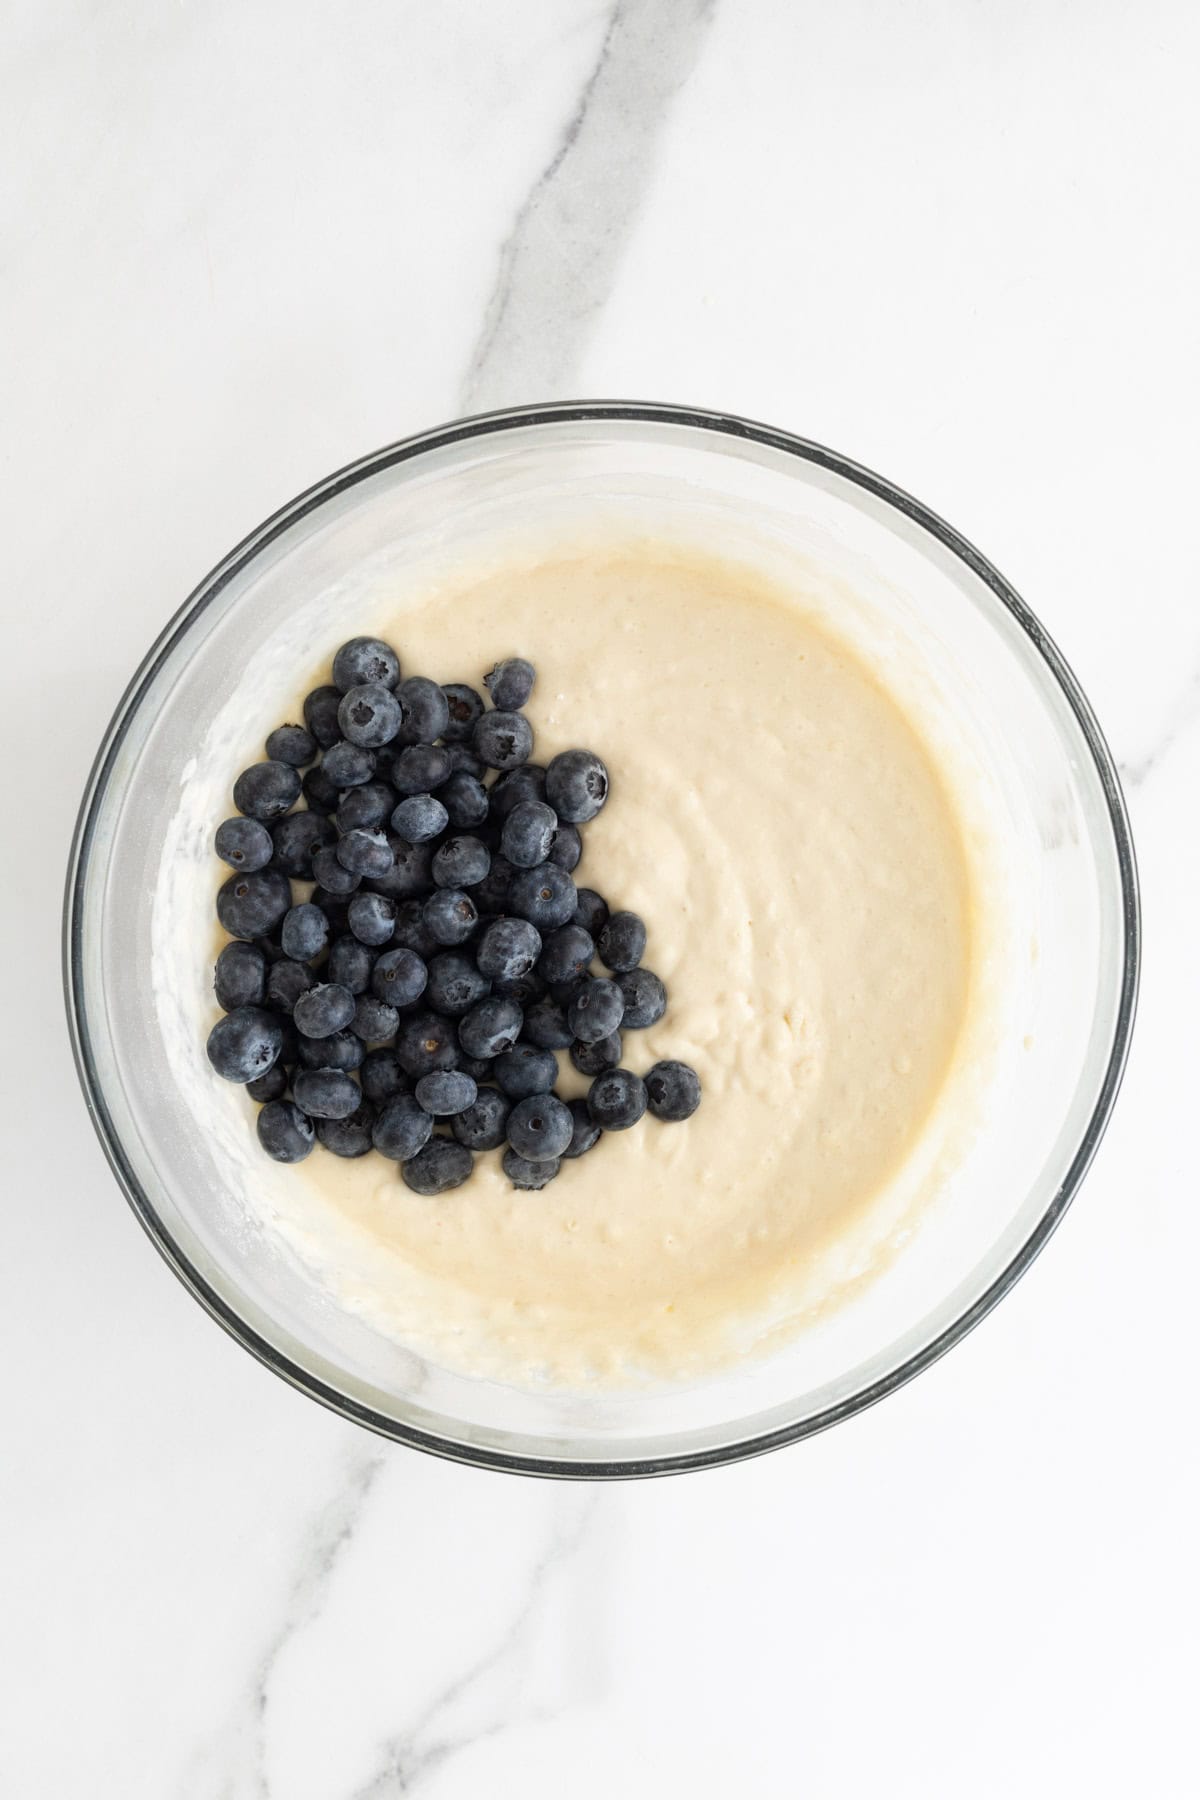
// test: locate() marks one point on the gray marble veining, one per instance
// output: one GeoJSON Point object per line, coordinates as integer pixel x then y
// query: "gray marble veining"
{"type": "Point", "coordinates": [558, 262]}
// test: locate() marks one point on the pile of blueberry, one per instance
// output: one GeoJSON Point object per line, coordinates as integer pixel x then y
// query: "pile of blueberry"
{"type": "Point", "coordinates": [413, 1004]}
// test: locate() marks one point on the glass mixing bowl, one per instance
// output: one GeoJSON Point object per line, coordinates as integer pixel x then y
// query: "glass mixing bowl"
{"type": "Point", "coordinates": [919, 598]}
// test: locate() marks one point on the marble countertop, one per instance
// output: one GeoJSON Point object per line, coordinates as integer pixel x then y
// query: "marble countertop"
{"type": "Point", "coordinates": [247, 242]}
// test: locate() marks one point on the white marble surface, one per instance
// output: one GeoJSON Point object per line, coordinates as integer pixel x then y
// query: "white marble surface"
{"type": "Point", "coordinates": [242, 244]}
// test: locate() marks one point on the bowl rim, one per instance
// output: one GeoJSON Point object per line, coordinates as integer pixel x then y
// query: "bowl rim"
{"type": "Point", "coordinates": [481, 425]}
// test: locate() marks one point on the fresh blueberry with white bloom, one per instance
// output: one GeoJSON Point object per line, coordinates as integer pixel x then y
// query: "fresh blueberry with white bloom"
{"type": "Point", "coordinates": [267, 790]}
{"type": "Point", "coordinates": [349, 765]}
{"type": "Point", "coordinates": [426, 712]}
{"type": "Point", "coordinates": [286, 981]}
{"type": "Point", "coordinates": [321, 715]}
{"type": "Point", "coordinates": [492, 1026]}
{"type": "Point", "coordinates": [331, 873]}
{"type": "Point", "coordinates": [426, 1042]}
{"type": "Point", "coordinates": [622, 943]}
{"type": "Point", "coordinates": [546, 1025]}
{"type": "Point", "coordinates": [445, 1092]}
{"type": "Point", "coordinates": [545, 896]}
{"type": "Point", "coordinates": [375, 1022]}
{"type": "Point", "coordinates": [540, 1127]}
{"type": "Point", "coordinates": [297, 838]}
{"type": "Point", "coordinates": [645, 998]}
{"type": "Point", "coordinates": [349, 1137]}
{"type": "Point", "coordinates": [364, 808]}
{"type": "Point", "coordinates": [381, 1077]}
{"type": "Point", "coordinates": [450, 916]}
{"type": "Point", "coordinates": [325, 1093]}
{"type": "Point", "coordinates": [245, 1043]}
{"type": "Point", "coordinates": [420, 818]}
{"type": "Point", "coordinates": [567, 847]}
{"type": "Point", "coordinates": [672, 1091]}
{"type": "Point", "coordinates": [240, 976]}
{"type": "Point", "coordinates": [401, 1128]}
{"type": "Point", "coordinates": [365, 853]}
{"type": "Point", "coordinates": [342, 1050]}
{"type": "Point", "coordinates": [595, 1010]}
{"type": "Point", "coordinates": [591, 911]}
{"type": "Point", "coordinates": [484, 1124]}
{"type": "Point", "coordinates": [456, 984]}
{"type": "Point", "coordinates": [465, 800]}
{"type": "Point", "coordinates": [503, 739]}
{"type": "Point", "coordinates": [529, 832]}
{"type": "Point", "coordinates": [528, 1176]}
{"type": "Point", "coordinates": [577, 785]}
{"type": "Point", "coordinates": [244, 844]}
{"type": "Point", "coordinates": [617, 1099]}
{"type": "Point", "coordinates": [463, 706]}
{"type": "Point", "coordinates": [323, 1010]}
{"type": "Point", "coordinates": [365, 659]}
{"type": "Point", "coordinates": [399, 976]}
{"type": "Point", "coordinates": [585, 1133]}
{"type": "Point", "coordinates": [443, 1164]}
{"type": "Point", "coordinates": [372, 918]}
{"type": "Point", "coordinates": [508, 949]}
{"type": "Point", "coordinates": [510, 683]}
{"type": "Point", "coordinates": [525, 1070]}
{"type": "Point", "coordinates": [251, 906]}
{"type": "Point", "coordinates": [291, 744]}
{"type": "Point", "coordinates": [304, 933]}
{"type": "Point", "coordinates": [461, 862]}
{"type": "Point", "coordinates": [284, 1132]}
{"type": "Point", "coordinates": [566, 953]}
{"type": "Point", "coordinates": [595, 1058]}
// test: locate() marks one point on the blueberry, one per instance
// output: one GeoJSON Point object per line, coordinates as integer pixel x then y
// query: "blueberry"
{"type": "Point", "coordinates": [291, 744]}
{"type": "Point", "coordinates": [321, 793]}
{"type": "Point", "coordinates": [271, 1086]}
{"type": "Point", "coordinates": [286, 982]}
{"type": "Point", "coordinates": [372, 918]}
{"type": "Point", "coordinates": [461, 862]}
{"type": "Point", "coordinates": [566, 953]}
{"type": "Point", "coordinates": [529, 1177]}
{"type": "Point", "coordinates": [584, 1133]}
{"type": "Point", "coordinates": [363, 808]}
{"type": "Point", "coordinates": [401, 1128]}
{"type": "Point", "coordinates": [591, 911]}
{"type": "Point", "coordinates": [399, 977]}
{"type": "Point", "coordinates": [525, 1070]}
{"type": "Point", "coordinates": [510, 683]}
{"type": "Point", "coordinates": [622, 943]}
{"type": "Point", "coordinates": [645, 999]}
{"type": "Point", "coordinates": [491, 894]}
{"type": "Point", "coordinates": [284, 1132]}
{"type": "Point", "coordinates": [321, 715]}
{"type": "Point", "coordinates": [251, 906]}
{"type": "Point", "coordinates": [240, 976]}
{"type": "Point", "coordinates": [349, 765]}
{"type": "Point", "coordinates": [545, 896]}
{"type": "Point", "coordinates": [323, 1010]}
{"type": "Point", "coordinates": [595, 1010]}
{"type": "Point", "coordinates": [617, 1099]}
{"type": "Point", "coordinates": [375, 1022]}
{"type": "Point", "coordinates": [350, 964]}
{"type": "Point", "coordinates": [463, 759]}
{"type": "Point", "coordinates": [425, 1043]}
{"type": "Point", "coordinates": [245, 1043]}
{"type": "Point", "coordinates": [349, 1137]}
{"type": "Point", "coordinates": [479, 1068]}
{"type": "Point", "coordinates": [465, 800]}
{"type": "Point", "coordinates": [420, 818]}
{"type": "Point", "coordinates": [528, 835]}
{"type": "Point", "coordinates": [503, 739]}
{"type": "Point", "coordinates": [446, 1092]}
{"type": "Point", "coordinates": [525, 783]}
{"type": "Point", "coordinates": [365, 853]}
{"type": "Point", "coordinates": [450, 916]}
{"type": "Point", "coordinates": [672, 1091]}
{"type": "Point", "coordinates": [492, 1026]}
{"type": "Point", "coordinates": [540, 1127]}
{"type": "Point", "coordinates": [546, 1025]}
{"type": "Point", "coordinates": [508, 949]}
{"type": "Point", "coordinates": [525, 989]}
{"type": "Point", "coordinates": [365, 659]}
{"type": "Point", "coordinates": [410, 872]}
{"type": "Point", "coordinates": [425, 709]}
{"type": "Point", "coordinates": [304, 933]}
{"type": "Point", "coordinates": [455, 984]}
{"type": "Point", "coordinates": [577, 785]}
{"type": "Point", "coordinates": [420, 768]}
{"type": "Point", "coordinates": [441, 1165]}
{"type": "Point", "coordinates": [411, 931]}
{"type": "Point", "coordinates": [567, 848]}
{"type": "Point", "coordinates": [297, 838]}
{"type": "Point", "coordinates": [344, 1050]}
{"type": "Point", "coordinates": [595, 1058]}
{"type": "Point", "coordinates": [266, 790]}
{"type": "Point", "coordinates": [332, 874]}
{"type": "Point", "coordinates": [484, 1125]}
{"type": "Point", "coordinates": [325, 1093]}
{"type": "Point", "coordinates": [464, 706]}
{"type": "Point", "coordinates": [244, 844]}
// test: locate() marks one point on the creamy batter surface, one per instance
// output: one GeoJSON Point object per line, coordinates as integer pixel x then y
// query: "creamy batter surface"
{"type": "Point", "coordinates": [780, 826]}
